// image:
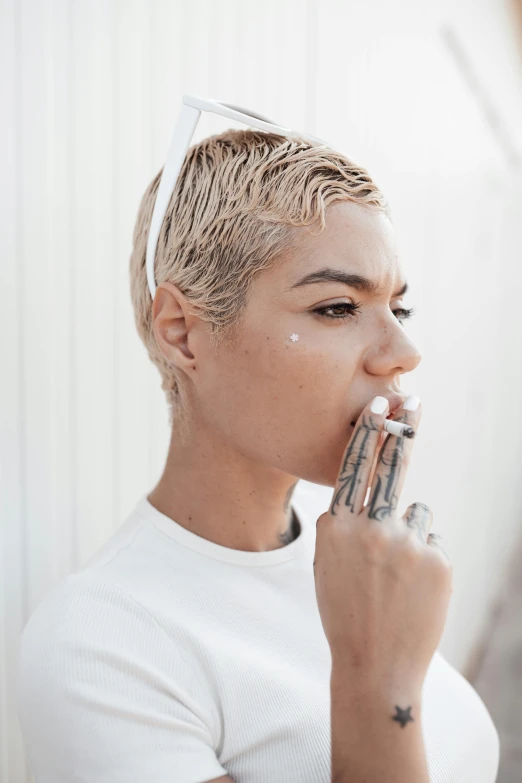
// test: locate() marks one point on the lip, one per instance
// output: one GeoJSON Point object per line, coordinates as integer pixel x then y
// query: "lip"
{"type": "Point", "coordinates": [395, 401]}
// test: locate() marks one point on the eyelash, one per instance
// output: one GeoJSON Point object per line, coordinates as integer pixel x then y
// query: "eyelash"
{"type": "Point", "coordinates": [353, 308]}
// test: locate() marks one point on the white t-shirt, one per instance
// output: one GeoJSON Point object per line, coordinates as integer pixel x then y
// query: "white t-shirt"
{"type": "Point", "coordinates": [168, 658]}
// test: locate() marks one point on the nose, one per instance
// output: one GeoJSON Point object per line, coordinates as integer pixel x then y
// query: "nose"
{"type": "Point", "coordinates": [392, 351]}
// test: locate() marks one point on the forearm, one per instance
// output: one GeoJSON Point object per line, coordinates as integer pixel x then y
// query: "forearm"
{"type": "Point", "coordinates": [368, 745]}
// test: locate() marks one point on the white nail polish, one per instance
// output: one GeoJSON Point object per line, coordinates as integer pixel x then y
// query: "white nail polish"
{"type": "Point", "coordinates": [379, 405]}
{"type": "Point", "coordinates": [411, 403]}
{"type": "Point", "coordinates": [294, 337]}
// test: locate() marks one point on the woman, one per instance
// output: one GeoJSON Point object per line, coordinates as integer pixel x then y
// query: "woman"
{"type": "Point", "coordinates": [222, 633]}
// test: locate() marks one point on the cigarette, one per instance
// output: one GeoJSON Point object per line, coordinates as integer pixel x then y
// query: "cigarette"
{"type": "Point", "coordinates": [399, 428]}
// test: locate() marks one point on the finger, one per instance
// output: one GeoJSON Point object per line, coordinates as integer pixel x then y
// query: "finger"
{"type": "Point", "coordinates": [382, 440]}
{"type": "Point", "coordinates": [419, 518]}
{"type": "Point", "coordinates": [352, 481]}
{"type": "Point", "coordinates": [433, 540]}
{"type": "Point", "coordinates": [390, 471]}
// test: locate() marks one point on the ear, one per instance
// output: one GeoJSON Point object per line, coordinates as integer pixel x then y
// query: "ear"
{"type": "Point", "coordinates": [175, 327]}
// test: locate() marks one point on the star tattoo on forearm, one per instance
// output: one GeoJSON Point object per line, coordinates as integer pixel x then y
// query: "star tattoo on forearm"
{"type": "Point", "coordinates": [403, 716]}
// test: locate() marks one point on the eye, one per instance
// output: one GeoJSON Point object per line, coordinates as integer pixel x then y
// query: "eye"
{"type": "Point", "coordinates": [403, 313]}
{"type": "Point", "coordinates": [349, 310]}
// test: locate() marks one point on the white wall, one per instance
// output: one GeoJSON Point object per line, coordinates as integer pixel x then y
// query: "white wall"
{"type": "Point", "coordinates": [427, 98]}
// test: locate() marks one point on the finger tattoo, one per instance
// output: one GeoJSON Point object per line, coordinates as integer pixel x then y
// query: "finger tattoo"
{"type": "Point", "coordinates": [354, 460]}
{"type": "Point", "coordinates": [418, 517]}
{"type": "Point", "coordinates": [383, 501]}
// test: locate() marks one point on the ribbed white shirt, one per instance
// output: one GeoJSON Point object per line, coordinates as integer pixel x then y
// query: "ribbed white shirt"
{"type": "Point", "coordinates": [171, 659]}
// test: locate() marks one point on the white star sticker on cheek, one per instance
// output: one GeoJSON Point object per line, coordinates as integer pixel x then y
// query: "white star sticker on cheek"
{"type": "Point", "coordinates": [294, 337]}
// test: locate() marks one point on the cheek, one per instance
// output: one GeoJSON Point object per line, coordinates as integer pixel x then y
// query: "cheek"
{"type": "Point", "coordinates": [272, 382]}
{"type": "Point", "coordinates": [289, 365]}
{"type": "Point", "coordinates": [301, 378]}
{"type": "Point", "coordinates": [266, 387]}
{"type": "Point", "coordinates": [285, 400]}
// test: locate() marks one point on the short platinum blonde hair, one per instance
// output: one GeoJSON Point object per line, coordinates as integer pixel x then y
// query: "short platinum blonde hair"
{"type": "Point", "coordinates": [238, 202]}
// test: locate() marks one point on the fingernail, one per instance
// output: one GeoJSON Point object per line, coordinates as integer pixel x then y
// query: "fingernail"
{"type": "Point", "coordinates": [379, 405]}
{"type": "Point", "coordinates": [411, 403]}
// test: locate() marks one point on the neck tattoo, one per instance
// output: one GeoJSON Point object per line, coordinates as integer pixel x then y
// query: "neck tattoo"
{"type": "Point", "coordinates": [293, 531]}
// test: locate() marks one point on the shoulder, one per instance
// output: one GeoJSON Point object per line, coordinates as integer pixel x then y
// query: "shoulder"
{"type": "Point", "coordinates": [103, 685]}
{"type": "Point", "coordinates": [90, 636]}
{"type": "Point", "coordinates": [89, 612]}
{"type": "Point", "coordinates": [84, 624]}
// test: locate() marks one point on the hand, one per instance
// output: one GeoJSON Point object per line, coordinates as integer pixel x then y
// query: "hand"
{"type": "Point", "coordinates": [383, 586]}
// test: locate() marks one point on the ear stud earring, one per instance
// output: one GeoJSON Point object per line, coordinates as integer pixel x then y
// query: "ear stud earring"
{"type": "Point", "coordinates": [294, 337]}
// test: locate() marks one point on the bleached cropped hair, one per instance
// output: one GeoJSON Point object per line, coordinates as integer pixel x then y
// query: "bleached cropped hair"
{"type": "Point", "coordinates": [239, 199]}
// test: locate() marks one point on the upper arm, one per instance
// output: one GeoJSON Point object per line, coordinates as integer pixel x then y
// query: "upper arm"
{"type": "Point", "coordinates": [106, 695]}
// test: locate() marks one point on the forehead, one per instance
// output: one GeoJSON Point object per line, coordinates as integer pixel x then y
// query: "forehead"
{"type": "Point", "coordinates": [358, 239]}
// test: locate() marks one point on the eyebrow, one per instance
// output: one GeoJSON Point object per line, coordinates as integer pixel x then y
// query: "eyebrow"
{"type": "Point", "coordinates": [359, 282]}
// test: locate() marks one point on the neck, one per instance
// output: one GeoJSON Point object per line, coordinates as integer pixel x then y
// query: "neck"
{"type": "Point", "coordinates": [225, 496]}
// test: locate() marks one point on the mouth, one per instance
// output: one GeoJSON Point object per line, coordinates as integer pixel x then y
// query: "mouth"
{"type": "Point", "coordinates": [395, 402]}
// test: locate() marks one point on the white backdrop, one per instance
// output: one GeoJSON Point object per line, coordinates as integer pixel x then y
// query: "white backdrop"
{"type": "Point", "coordinates": [427, 96]}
